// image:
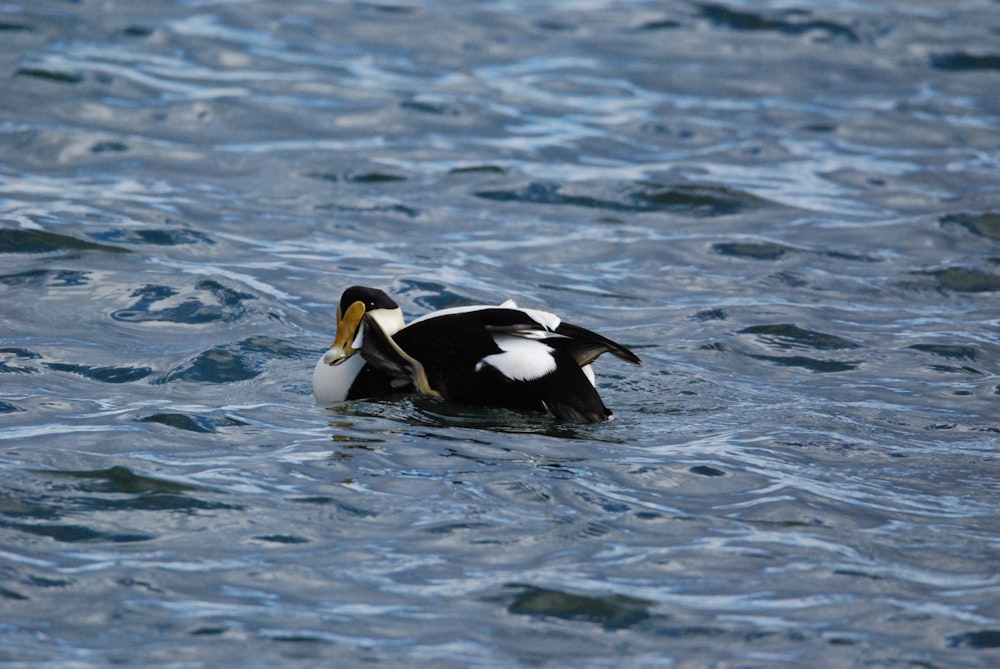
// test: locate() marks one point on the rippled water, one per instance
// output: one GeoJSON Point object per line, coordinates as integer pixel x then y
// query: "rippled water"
{"type": "Point", "coordinates": [791, 211]}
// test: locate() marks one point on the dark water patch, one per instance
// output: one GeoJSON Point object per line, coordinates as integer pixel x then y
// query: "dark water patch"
{"type": "Point", "coordinates": [369, 209]}
{"type": "Point", "coordinates": [54, 76]}
{"type": "Point", "coordinates": [39, 241]}
{"type": "Point", "coordinates": [75, 533]}
{"type": "Point", "coordinates": [210, 630]}
{"type": "Point", "coordinates": [752, 250]}
{"type": "Point", "coordinates": [374, 178]}
{"type": "Point", "coordinates": [331, 177]}
{"type": "Point", "coordinates": [339, 505]}
{"type": "Point", "coordinates": [538, 193]}
{"type": "Point", "coordinates": [120, 479]}
{"type": "Point", "coordinates": [553, 25]}
{"type": "Point", "coordinates": [274, 347]}
{"type": "Point", "coordinates": [294, 636]}
{"type": "Point", "coordinates": [660, 24]}
{"type": "Point", "coordinates": [42, 582]}
{"type": "Point", "coordinates": [455, 526]}
{"type": "Point", "coordinates": [695, 632]}
{"type": "Point", "coordinates": [478, 169]}
{"type": "Point", "coordinates": [612, 612]}
{"type": "Point", "coordinates": [120, 489]}
{"type": "Point", "coordinates": [951, 369]}
{"type": "Point", "coordinates": [42, 277]}
{"type": "Point", "coordinates": [693, 199]}
{"type": "Point", "coordinates": [223, 364]}
{"type": "Point", "coordinates": [812, 364]}
{"type": "Point", "coordinates": [605, 504]}
{"type": "Point", "coordinates": [147, 295]}
{"type": "Point", "coordinates": [181, 421]}
{"type": "Point", "coordinates": [138, 31]}
{"type": "Point", "coordinates": [820, 127]}
{"type": "Point", "coordinates": [159, 502]}
{"type": "Point", "coordinates": [705, 470]}
{"type": "Point", "coordinates": [241, 361]}
{"type": "Point", "coordinates": [955, 279]}
{"type": "Point", "coordinates": [13, 503]}
{"type": "Point", "coordinates": [172, 237]}
{"type": "Point", "coordinates": [789, 22]}
{"type": "Point", "coordinates": [109, 146]}
{"type": "Point", "coordinates": [953, 351]}
{"type": "Point", "coordinates": [6, 593]}
{"type": "Point", "coordinates": [786, 336]}
{"type": "Point", "coordinates": [102, 374]}
{"type": "Point", "coordinates": [857, 573]}
{"type": "Point", "coordinates": [962, 61]}
{"type": "Point", "coordinates": [984, 224]}
{"type": "Point", "coordinates": [385, 8]}
{"type": "Point", "coordinates": [7, 26]}
{"type": "Point", "coordinates": [702, 200]}
{"type": "Point", "coordinates": [594, 529]}
{"type": "Point", "coordinates": [7, 407]}
{"type": "Point", "coordinates": [226, 296]}
{"type": "Point", "coordinates": [711, 315]}
{"type": "Point", "coordinates": [979, 639]}
{"type": "Point", "coordinates": [194, 310]}
{"type": "Point", "coordinates": [11, 361]}
{"type": "Point", "coordinates": [683, 132]}
{"type": "Point", "coordinates": [431, 108]}
{"type": "Point", "coordinates": [844, 255]}
{"type": "Point", "coordinates": [139, 584]}
{"type": "Point", "coordinates": [33, 277]}
{"type": "Point", "coordinates": [68, 277]}
{"type": "Point", "coordinates": [282, 539]}
{"type": "Point", "coordinates": [528, 491]}
{"type": "Point", "coordinates": [791, 279]}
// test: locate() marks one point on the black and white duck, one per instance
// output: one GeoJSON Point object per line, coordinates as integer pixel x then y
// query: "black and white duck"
{"type": "Point", "coordinates": [497, 356]}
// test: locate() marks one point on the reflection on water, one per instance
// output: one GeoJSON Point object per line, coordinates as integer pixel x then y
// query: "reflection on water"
{"type": "Point", "coordinates": [788, 212]}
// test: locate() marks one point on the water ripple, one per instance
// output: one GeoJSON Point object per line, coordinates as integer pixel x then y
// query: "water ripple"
{"type": "Point", "coordinates": [802, 470]}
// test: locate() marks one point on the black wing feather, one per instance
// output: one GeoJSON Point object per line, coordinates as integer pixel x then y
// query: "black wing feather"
{"type": "Point", "coordinates": [441, 356]}
{"type": "Point", "coordinates": [585, 346]}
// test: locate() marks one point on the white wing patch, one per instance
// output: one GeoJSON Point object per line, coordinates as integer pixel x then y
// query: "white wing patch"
{"type": "Point", "coordinates": [521, 359]}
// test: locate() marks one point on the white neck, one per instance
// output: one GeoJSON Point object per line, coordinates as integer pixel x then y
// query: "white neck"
{"type": "Point", "coordinates": [390, 320]}
{"type": "Point", "coordinates": [332, 382]}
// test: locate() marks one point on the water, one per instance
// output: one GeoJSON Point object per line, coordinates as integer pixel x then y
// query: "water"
{"type": "Point", "coordinates": [790, 211]}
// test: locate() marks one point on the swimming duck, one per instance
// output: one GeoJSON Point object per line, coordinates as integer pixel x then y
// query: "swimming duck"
{"type": "Point", "coordinates": [502, 356]}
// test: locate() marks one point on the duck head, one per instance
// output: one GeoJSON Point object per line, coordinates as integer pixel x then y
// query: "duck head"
{"type": "Point", "coordinates": [354, 304]}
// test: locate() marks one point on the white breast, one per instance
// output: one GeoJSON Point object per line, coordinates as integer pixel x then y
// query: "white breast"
{"type": "Point", "coordinates": [331, 382]}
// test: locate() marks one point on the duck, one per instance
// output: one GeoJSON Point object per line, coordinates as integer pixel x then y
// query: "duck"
{"type": "Point", "coordinates": [500, 356]}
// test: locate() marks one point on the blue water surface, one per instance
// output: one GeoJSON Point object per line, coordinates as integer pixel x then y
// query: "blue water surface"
{"type": "Point", "coordinates": [789, 210]}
